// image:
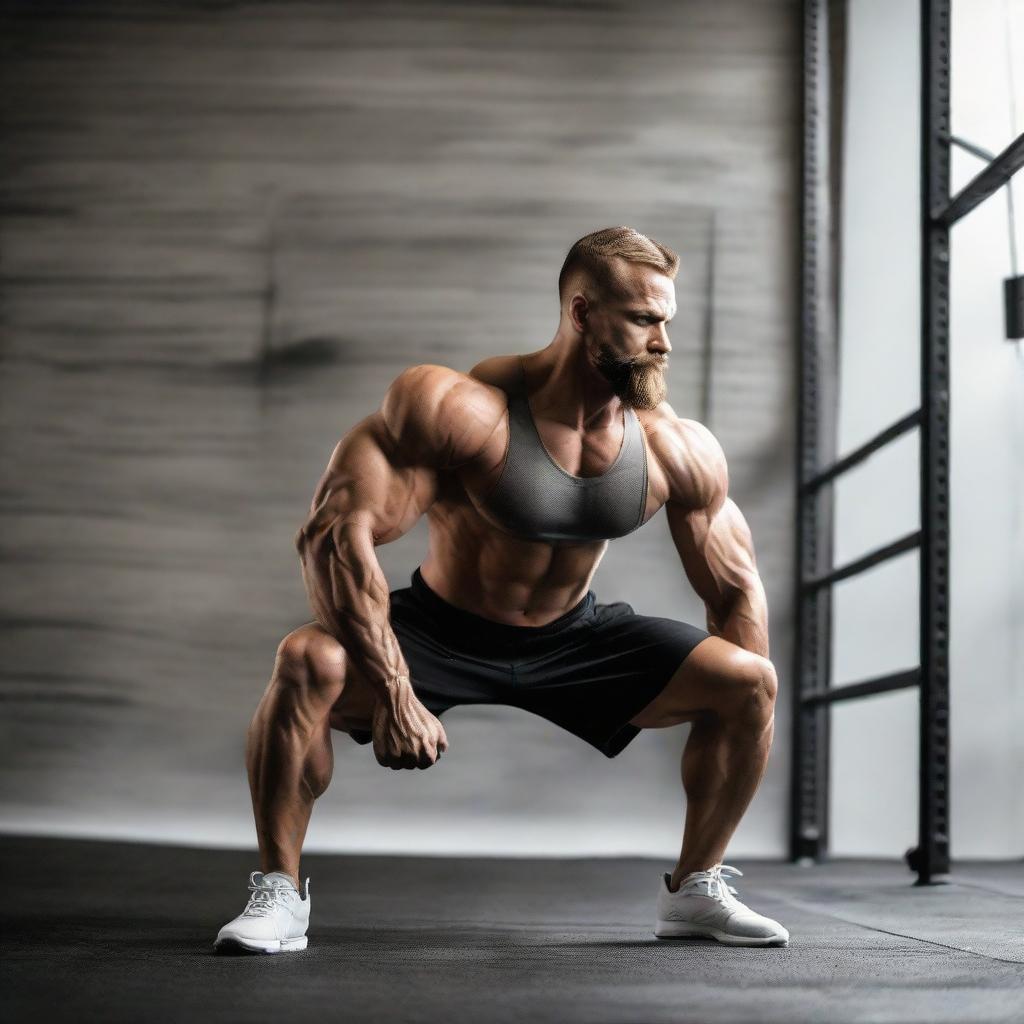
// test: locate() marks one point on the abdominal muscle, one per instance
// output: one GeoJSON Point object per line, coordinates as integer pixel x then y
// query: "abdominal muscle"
{"type": "Point", "coordinates": [475, 565]}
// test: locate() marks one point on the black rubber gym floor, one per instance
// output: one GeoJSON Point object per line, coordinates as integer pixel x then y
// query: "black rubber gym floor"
{"type": "Point", "coordinates": [122, 932]}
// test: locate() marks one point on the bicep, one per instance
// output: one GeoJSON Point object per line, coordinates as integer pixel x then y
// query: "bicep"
{"type": "Point", "coordinates": [369, 483]}
{"type": "Point", "coordinates": [385, 473]}
{"type": "Point", "coordinates": [716, 548]}
{"type": "Point", "coordinates": [708, 529]}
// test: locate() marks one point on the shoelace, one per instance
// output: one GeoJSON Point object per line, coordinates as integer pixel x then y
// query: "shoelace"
{"type": "Point", "coordinates": [264, 900]}
{"type": "Point", "coordinates": [716, 885]}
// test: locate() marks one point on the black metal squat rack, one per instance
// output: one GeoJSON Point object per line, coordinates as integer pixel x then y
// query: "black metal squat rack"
{"type": "Point", "coordinates": [817, 447]}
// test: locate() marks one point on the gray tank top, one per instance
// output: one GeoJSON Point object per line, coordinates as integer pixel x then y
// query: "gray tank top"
{"type": "Point", "coordinates": [535, 498]}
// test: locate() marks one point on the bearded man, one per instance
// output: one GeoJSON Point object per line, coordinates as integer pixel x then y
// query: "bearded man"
{"type": "Point", "coordinates": [525, 468]}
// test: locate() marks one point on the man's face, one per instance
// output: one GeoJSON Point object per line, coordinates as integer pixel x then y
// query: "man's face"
{"type": "Point", "coordinates": [626, 338]}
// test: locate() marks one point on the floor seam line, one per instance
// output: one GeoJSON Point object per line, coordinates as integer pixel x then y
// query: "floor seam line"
{"type": "Point", "coordinates": [984, 888]}
{"type": "Point", "coordinates": [900, 935]}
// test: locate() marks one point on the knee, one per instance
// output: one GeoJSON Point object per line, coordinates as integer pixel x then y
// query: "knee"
{"type": "Point", "coordinates": [758, 686]}
{"type": "Point", "coordinates": [309, 654]}
{"type": "Point", "coordinates": [308, 670]}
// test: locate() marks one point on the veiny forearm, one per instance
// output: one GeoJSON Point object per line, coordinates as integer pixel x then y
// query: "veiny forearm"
{"type": "Point", "coordinates": [744, 620]}
{"type": "Point", "coordinates": [348, 593]}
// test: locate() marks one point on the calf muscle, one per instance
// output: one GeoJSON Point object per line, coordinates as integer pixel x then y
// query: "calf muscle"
{"type": "Point", "coordinates": [289, 757]}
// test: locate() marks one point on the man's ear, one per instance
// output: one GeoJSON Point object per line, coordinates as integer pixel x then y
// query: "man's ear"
{"type": "Point", "coordinates": [579, 309]}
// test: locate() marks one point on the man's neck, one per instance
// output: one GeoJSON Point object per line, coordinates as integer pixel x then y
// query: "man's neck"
{"type": "Point", "coordinates": [563, 386]}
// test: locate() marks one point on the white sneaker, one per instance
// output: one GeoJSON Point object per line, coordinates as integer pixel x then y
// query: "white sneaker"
{"type": "Point", "coordinates": [706, 905]}
{"type": "Point", "coordinates": [274, 920]}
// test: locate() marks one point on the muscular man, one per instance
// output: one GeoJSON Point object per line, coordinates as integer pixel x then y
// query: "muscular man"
{"type": "Point", "coordinates": [525, 468]}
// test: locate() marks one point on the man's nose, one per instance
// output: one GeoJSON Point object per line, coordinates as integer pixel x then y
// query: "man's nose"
{"type": "Point", "coordinates": [660, 342]}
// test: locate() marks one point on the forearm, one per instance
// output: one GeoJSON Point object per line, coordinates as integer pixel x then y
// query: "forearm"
{"type": "Point", "coordinates": [744, 620]}
{"type": "Point", "coordinates": [349, 595]}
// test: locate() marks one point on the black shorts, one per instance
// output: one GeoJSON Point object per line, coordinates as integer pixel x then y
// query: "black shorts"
{"type": "Point", "coordinates": [589, 671]}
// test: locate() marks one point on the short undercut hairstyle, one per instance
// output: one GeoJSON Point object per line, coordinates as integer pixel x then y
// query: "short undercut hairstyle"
{"type": "Point", "coordinates": [593, 256]}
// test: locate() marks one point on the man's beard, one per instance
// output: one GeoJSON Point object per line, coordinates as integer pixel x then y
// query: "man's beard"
{"type": "Point", "coordinates": [638, 383]}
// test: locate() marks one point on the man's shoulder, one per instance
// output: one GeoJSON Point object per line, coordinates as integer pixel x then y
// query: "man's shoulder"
{"type": "Point", "coordinates": [442, 409]}
{"type": "Point", "coordinates": [431, 385]}
{"type": "Point", "coordinates": [427, 380]}
{"type": "Point", "coordinates": [689, 454]}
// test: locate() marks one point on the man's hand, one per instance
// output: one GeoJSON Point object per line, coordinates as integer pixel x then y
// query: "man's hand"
{"type": "Point", "coordinates": [405, 733]}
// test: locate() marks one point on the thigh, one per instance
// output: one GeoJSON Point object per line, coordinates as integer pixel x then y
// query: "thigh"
{"type": "Point", "coordinates": [716, 675]}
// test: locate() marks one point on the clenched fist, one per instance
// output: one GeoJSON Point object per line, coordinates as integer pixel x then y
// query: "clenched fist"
{"type": "Point", "coordinates": [405, 733]}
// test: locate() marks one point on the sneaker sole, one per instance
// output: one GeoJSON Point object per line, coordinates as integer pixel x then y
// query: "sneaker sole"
{"type": "Point", "coordinates": [671, 930]}
{"type": "Point", "coordinates": [282, 946]}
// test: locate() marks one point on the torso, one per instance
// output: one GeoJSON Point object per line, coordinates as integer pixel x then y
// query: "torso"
{"type": "Point", "coordinates": [474, 562]}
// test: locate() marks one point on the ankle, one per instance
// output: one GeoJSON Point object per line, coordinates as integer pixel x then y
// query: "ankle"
{"type": "Point", "coordinates": [291, 876]}
{"type": "Point", "coordinates": [680, 874]}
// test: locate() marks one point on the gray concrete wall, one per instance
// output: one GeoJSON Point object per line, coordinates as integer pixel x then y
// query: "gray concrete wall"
{"type": "Point", "coordinates": [225, 230]}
